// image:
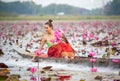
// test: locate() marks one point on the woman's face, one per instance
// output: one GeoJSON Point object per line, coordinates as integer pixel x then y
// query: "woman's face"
{"type": "Point", "coordinates": [47, 28]}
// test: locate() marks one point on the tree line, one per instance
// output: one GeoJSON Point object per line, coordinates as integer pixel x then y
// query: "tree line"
{"type": "Point", "coordinates": [112, 8]}
{"type": "Point", "coordinates": [30, 8]}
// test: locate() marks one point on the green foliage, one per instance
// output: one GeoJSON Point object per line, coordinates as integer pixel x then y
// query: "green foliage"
{"type": "Point", "coordinates": [97, 11]}
{"type": "Point", "coordinates": [30, 8]}
{"type": "Point", "coordinates": [68, 18]}
{"type": "Point", "coordinates": [113, 8]}
{"type": "Point", "coordinates": [3, 14]}
{"type": "Point", "coordinates": [17, 7]}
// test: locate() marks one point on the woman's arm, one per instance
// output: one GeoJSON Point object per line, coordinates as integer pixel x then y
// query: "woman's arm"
{"type": "Point", "coordinates": [42, 43]}
{"type": "Point", "coordinates": [41, 47]}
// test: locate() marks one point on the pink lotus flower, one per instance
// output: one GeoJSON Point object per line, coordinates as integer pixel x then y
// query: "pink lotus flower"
{"type": "Point", "coordinates": [113, 44]}
{"type": "Point", "coordinates": [118, 31]}
{"type": "Point", "coordinates": [109, 33]}
{"type": "Point", "coordinates": [33, 69]}
{"type": "Point", "coordinates": [1, 35]}
{"type": "Point", "coordinates": [115, 61]}
{"type": "Point", "coordinates": [42, 78]}
{"type": "Point", "coordinates": [93, 69]}
{"type": "Point", "coordinates": [96, 38]}
{"type": "Point", "coordinates": [116, 38]}
{"type": "Point", "coordinates": [92, 60]}
{"type": "Point", "coordinates": [91, 35]}
{"type": "Point", "coordinates": [28, 44]}
{"type": "Point", "coordinates": [33, 78]}
{"type": "Point", "coordinates": [116, 80]}
{"type": "Point", "coordinates": [38, 52]}
{"type": "Point", "coordinates": [84, 36]}
{"type": "Point", "coordinates": [91, 54]}
{"type": "Point", "coordinates": [103, 44]}
{"type": "Point", "coordinates": [58, 35]}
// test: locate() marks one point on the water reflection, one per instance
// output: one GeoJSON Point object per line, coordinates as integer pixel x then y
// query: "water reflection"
{"type": "Point", "coordinates": [33, 78]}
{"type": "Point", "coordinates": [56, 78]}
{"type": "Point", "coordinates": [53, 77]}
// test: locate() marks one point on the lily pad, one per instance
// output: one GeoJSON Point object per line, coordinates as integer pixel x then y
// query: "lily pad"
{"type": "Point", "coordinates": [47, 68]}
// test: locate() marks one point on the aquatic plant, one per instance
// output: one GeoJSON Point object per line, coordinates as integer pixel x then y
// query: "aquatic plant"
{"type": "Point", "coordinates": [92, 60]}
{"type": "Point", "coordinates": [33, 70]}
{"type": "Point", "coordinates": [93, 69]}
{"type": "Point", "coordinates": [33, 78]}
{"type": "Point", "coordinates": [92, 54]}
{"type": "Point", "coordinates": [115, 61]}
{"type": "Point", "coordinates": [38, 52]}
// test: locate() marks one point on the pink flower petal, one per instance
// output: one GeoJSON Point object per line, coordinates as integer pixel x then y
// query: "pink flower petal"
{"type": "Point", "coordinates": [115, 61]}
{"type": "Point", "coordinates": [33, 78]}
{"type": "Point", "coordinates": [93, 69]}
{"type": "Point", "coordinates": [38, 52]}
{"type": "Point", "coordinates": [33, 69]}
{"type": "Point", "coordinates": [92, 60]}
{"type": "Point", "coordinates": [91, 54]}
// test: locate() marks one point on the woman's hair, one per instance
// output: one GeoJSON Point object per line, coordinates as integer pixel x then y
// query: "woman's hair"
{"type": "Point", "coordinates": [49, 23]}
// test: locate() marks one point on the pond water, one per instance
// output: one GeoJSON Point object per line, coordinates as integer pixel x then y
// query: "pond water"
{"type": "Point", "coordinates": [60, 71]}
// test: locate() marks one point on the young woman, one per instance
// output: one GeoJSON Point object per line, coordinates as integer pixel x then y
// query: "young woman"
{"type": "Point", "coordinates": [58, 46]}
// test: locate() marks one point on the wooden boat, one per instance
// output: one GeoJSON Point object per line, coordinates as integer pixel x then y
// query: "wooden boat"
{"type": "Point", "coordinates": [76, 60]}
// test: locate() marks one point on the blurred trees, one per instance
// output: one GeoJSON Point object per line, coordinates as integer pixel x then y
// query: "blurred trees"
{"type": "Point", "coordinates": [30, 8]}
{"type": "Point", "coordinates": [17, 7]}
{"type": "Point", "coordinates": [112, 8]}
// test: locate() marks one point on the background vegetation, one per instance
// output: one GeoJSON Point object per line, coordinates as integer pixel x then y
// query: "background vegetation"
{"type": "Point", "coordinates": [30, 11]}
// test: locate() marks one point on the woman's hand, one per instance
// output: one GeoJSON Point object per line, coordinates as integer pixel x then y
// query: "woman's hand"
{"type": "Point", "coordinates": [38, 52]}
